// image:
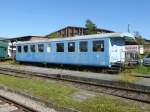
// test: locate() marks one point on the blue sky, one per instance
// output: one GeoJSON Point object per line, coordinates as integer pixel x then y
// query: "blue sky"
{"type": "Point", "coordinates": [40, 17]}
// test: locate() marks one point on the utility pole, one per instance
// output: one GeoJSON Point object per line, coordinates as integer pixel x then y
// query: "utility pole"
{"type": "Point", "coordinates": [128, 28]}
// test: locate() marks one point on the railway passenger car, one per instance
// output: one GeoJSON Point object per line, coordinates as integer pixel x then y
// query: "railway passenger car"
{"type": "Point", "coordinates": [3, 49]}
{"type": "Point", "coordinates": [101, 50]}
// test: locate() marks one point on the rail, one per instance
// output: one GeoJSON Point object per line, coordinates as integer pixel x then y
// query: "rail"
{"type": "Point", "coordinates": [123, 92]}
{"type": "Point", "coordinates": [21, 107]}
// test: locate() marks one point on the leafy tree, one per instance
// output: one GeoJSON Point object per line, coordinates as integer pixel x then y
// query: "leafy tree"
{"type": "Point", "coordinates": [139, 38]}
{"type": "Point", "coordinates": [53, 35]}
{"type": "Point", "coordinates": [140, 41]}
{"type": "Point", "coordinates": [91, 27]}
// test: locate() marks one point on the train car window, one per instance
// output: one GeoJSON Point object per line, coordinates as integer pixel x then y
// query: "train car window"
{"type": "Point", "coordinates": [98, 46]}
{"type": "Point", "coordinates": [49, 48]}
{"type": "Point", "coordinates": [25, 47]}
{"type": "Point", "coordinates": [71, 46]}
{"type": "Point", "coordinates": [40, 47]}
{"type": "Point", "coordinates": [60, 47]}
{"type": "Point", "coordinates": [83, 46]}
{"type": "Point", "coordinates": [19, 49]}
{"type": "Point", "coordinates": [32, 48]}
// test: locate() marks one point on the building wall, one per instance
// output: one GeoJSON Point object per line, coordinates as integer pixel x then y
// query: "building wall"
{"type": "Point", "coordinates": [147, 48]}
{"type": "Point", "coordinates": [74, 31]}
{"type": "Point", "coordinates": [138, 48]}
{"type": "Point", "coordinates": [37, 38]}
{"type": "Point", "coordinates": [132, 48]}
{"type": "Point", "coordinates": [70, 32]}
{"type": "Point", "coordinates": [3, 49]}
{"type": "Point", "coordinates": [11, 49]}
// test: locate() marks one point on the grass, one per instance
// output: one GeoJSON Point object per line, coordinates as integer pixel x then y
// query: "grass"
{"type": "Point", "coordinates": [45, 89]}
{"type": "Point", "coordinates": [127, 77]}
{"type": "Point", "coordinates": [11, 62]}
{"type": "Point", "coordinates": [107, 104]}
{"type": "Point", "coordinates": [62, 95]}
{"type": "Point", "coordinates": [142, 70]}
{"type": "Point", "coordinates": [139, 70]}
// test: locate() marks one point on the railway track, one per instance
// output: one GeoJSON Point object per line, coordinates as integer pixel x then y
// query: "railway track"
{"type": "Point", "coordinates": [8, 105]}
{"type": "Point", "coordinates": [123, 92]}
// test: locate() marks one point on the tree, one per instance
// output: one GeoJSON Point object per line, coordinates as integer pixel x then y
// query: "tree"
{"type": "Point", "coordinates": [53, 35]}
{"type": "Point", "coordinates": [91, 27]}
{"type": "Point", "coordinates": [139, 38]}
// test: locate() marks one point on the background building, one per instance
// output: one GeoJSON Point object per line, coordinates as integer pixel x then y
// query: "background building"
{"type": "Point", "coordinates": [147, 46]}
{"type": "Point", "coordinates": [71, 31]}
{"type": "Point", "coordinates": [134, 47]}
{"type": "Point", "coordinates": [12, 43]}
{"type": "Point", "coordinates": [3, 48]}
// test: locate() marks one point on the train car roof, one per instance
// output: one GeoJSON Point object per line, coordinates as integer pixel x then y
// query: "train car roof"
{"type": "Point", "coordinates": [106, 35]}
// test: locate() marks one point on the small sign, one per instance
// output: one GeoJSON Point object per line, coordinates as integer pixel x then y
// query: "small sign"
{"type": "Point", "coordinates": [141, 50]}
{"type": "Point", "coordinates": [131, 48]}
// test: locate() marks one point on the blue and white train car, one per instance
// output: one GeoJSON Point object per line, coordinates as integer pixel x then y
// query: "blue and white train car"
{"type": "Point", "coordinates": [101, 50]}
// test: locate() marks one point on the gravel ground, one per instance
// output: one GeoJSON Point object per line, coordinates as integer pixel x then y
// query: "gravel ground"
{"type": "Point", "coordinates": [26, 101]}
{"type": "Point", "coordinates": [5, 107]}
{"type": "Point", "coordinates": [62, 71]}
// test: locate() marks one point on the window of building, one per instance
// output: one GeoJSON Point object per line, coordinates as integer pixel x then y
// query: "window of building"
{"type": "Point", "coordinates": [60, 47]}
{"type": "Point", "coordinates": [19, 49]}
{"type": "Point", "coordinates": [71, 46]}
{"type": "Point", "coordinates": [32, 48]}
{"type": "Point", "coordinates": [40, 47]}
{"type": "Point", "coordinates": [49, 48]}
{"type": "Point", "coordinates": [25, 47]}
{"type": "Point", "coordinates": [83, 46]}
{"type": "Point", "coordinates": [98, 46]}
